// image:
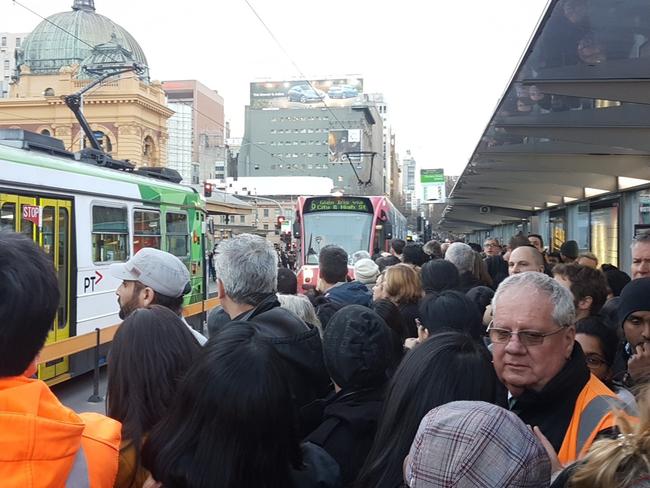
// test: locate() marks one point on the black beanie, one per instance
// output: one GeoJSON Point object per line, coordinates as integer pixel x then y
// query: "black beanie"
{"type": "Point", "coordinates": [570, 249]}
{"type": "Point", "coordinates": [635, 297]}
{"type": "Point", "coordinates": [357, 348]}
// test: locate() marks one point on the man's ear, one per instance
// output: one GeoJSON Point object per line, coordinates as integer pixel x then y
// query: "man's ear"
{"type": "Point", "coordinates": [221, 290]}
{"type": "Point", "coordinates": [147, 296]}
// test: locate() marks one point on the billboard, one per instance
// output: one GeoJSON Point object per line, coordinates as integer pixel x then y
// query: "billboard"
{"type": "Point", "coordinates": [339, 92]}
{"type": "Point", "coordinates": [343, 141]}
{"type": "Point", "coordinates": [432, 182]}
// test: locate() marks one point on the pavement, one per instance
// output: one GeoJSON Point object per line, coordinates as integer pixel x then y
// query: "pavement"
{"type": "Point", "coordinates": [76, 392]}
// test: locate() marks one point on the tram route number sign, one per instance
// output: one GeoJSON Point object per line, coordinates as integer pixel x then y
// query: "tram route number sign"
{"type": "Point", "coordinates": [32, 213]}
{"type": "Point", "coordinates": [338, 205]}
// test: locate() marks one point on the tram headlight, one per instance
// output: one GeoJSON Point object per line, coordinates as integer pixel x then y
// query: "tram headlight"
{"type": "Point", "coordinates": [308, 275]}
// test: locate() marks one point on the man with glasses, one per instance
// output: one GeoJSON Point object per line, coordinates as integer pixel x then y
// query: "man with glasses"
{"type": "Point", "coordinates": [491, 247]}
{"type": "Point", "coordinates": [537, 359]}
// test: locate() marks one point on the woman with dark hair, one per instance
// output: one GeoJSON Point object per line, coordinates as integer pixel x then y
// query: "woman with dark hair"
{"type": "Point", "coordinates": [449, 367]}
{"type": "Point", "coordinates": [233, 423]}
{"type": "Point", "coordinates": [151, 351]}
{"type": "Point", "coordinates": [452, 310]}
{"type": "Point", "coordinates": [599, 342]}
{"type": "Point", "coordinates": [414, 255]}
{"type": "Point", "coordinates": [439, 275]}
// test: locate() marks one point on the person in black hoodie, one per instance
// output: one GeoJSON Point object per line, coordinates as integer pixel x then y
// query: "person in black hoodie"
{"type": "Point", "coordinates": [358, 349]}
{"type": "Point", "coordinates": [246, 284]}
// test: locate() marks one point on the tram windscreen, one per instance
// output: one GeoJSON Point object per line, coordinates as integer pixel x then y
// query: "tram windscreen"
{"type": "Point", "coordinates": [346, 223]}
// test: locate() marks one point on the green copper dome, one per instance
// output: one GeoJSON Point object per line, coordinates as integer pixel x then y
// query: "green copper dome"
{"type": "Point", "coordinates": [69, 37]}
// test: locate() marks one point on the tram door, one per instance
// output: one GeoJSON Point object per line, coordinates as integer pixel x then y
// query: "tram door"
{"type": "Point", "coordinates": [22, 214]}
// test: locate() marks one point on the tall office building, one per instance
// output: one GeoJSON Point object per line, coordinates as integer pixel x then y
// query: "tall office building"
{"type": "Point", "coordinates": [197, 131]}
{"type": "Point", "coordinates": [409, 182]}
{"type": "Point", "coordinates": [326, 128]}
{"type": "Point", "coordinates": [8, 43]}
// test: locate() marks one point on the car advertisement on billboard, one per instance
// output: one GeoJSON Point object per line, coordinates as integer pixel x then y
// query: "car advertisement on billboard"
{"type": "Point", "coordinates": [341, 142]}
{"type": "Point", "coordinates": [340, 92]}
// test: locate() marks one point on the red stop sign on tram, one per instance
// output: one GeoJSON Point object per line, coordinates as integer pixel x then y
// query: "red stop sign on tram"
{"type": "Point", "coordinates": [32, 213]}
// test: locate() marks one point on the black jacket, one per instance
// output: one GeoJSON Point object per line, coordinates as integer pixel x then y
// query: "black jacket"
{"type": "Point", "coordinates": [551, 409]}
{"type": "Point", "coordinates": [325, 307]}
{"type": "Point", "coordinates": [348, 429]}
{"type": "Point", "coordinates": [409, 312]}
{"type": "Point", "coordinates": [319, 469]}
{"type": "Point", "coordinates": [298, 344]}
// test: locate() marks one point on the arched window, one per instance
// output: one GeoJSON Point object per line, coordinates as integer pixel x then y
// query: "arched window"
{"type": "Point", "coordinates": [49, 92]}
{"type": "Point", "coordinates": [147, 148]}
{"type": "Point", "coordinates": [46, 132]}
{"type": "Point", "coordinates": [149, 152]}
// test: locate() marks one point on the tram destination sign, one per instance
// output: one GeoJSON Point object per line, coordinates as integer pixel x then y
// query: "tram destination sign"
{"type": "Point", "coordinates": [333, 204]}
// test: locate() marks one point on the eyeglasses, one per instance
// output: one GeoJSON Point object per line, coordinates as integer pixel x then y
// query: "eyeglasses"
{"type": "Point", "coordinates": [489, 244]}
{"type": "Point", "coordinates": [526, 337]}
{"type": "Point", "coordinates": [594, 361]}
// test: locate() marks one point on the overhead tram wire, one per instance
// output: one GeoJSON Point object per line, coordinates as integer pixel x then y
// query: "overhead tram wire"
{"type": "Point", "coordinates": [295, 65]}
{"type": "Point", "coordinates": [17, 2]}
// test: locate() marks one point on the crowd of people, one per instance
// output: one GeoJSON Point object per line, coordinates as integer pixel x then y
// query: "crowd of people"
{"type": "Point", "coordinates": [443, 365]}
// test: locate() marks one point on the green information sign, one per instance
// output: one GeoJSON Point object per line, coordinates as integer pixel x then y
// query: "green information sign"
{"type": "Point", "coordinates": [338, 204]}
{"type": "Point", "coordinates": [432, 176]}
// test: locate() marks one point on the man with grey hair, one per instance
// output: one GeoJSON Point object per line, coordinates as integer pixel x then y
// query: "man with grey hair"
{"type": "Point", "coordinates": [641, 257]}
{"type": "Point", "coordinates": [463, 257]}
{"type": "Point", "coordinates": [247, 268]}
{"type": "Point", "coordinates": [545, 371]}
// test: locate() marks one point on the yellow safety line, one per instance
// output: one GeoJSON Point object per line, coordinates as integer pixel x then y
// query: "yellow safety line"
{"type": "Point", "coordinates": [73, 345]}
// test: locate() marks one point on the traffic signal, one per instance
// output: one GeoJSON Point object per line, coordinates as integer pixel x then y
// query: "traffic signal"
{"type": "Point", "coordinates": [280, 221]}
{"type": "Point", "coordinates": [207, 189]}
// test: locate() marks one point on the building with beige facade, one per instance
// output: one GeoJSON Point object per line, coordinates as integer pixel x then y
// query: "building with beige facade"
{"type": "Point", "coordinates": [128, 114]}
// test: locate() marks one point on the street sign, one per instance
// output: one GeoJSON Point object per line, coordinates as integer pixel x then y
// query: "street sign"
{"type": "Point", "coordinates": [432, 182]}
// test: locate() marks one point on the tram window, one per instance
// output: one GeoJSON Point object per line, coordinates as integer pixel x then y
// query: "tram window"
{"type": "Point", "coordinates": [7, 216]}
{"type": "Point", "coordinates": [146, 229]}
{"type": "Point", "coordinates": [110, 234]}
{"type": "Point", "coordinates": [47, 232]}
{"type": "Point", "coordinates": [63, 267]}
{"type": "Point", "coordinates": [177, 234]}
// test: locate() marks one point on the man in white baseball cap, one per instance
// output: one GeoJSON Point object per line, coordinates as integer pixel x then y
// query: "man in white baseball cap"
{"type": "Point", "coordinates": [152, 277]}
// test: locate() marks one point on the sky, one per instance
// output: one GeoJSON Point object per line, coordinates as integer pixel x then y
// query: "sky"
{"type": "Point", "coordinates": [442, 65]}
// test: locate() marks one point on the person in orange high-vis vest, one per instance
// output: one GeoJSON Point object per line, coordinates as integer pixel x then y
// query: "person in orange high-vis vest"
{"type": "Point", "coordinates": [43, 444]}
{"type": "Point", "coordinates": [592, 414]}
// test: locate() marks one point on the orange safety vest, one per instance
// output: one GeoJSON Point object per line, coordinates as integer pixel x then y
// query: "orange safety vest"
{"type": "Point", "coordinates": [44, 444]}
{"type": "Point", "coordinates": [100, 443]}
{"type": "Point", "coordinates": [591, 415]}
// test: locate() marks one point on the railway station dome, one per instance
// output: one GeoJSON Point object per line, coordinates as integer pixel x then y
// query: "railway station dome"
{"type": "Point", "coordinates": [52, 46]}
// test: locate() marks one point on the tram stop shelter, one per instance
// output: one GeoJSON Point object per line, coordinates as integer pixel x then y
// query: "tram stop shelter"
{"type": "Point", "coordinates": [566, 154]}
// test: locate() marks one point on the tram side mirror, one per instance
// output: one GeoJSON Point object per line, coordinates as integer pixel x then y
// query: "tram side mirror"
{"type": "Point", "coordinates": [296, 229]}
{"type": "Point", "coordinates": [388, 230]}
